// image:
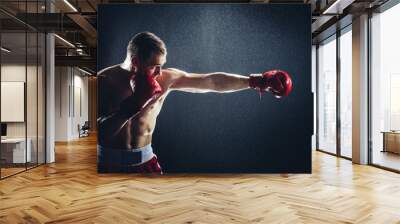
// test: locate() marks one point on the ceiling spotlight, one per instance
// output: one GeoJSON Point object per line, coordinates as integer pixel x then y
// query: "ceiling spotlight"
{"type": "Point", "coordinates": [5, 50]}
{"type": "Point", "coordinates": [79, 51]}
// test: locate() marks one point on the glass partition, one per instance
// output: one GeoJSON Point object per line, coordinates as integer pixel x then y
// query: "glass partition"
{"type": "Point", "coordinates": [22, 91]}
{"type": "Point", "coordinates": [14, 154]}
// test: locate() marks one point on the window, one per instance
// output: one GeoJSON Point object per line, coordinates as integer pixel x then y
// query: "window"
{"type": "Point", "coordinates": [327, 96]}
{"type": "Point", "coordinates": [385, 88]}
{"type": "Point", "coordinates": [346, 93]}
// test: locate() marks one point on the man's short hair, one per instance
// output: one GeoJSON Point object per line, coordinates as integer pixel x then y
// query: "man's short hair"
{"type": "Point", "coordinates": [143, 45]}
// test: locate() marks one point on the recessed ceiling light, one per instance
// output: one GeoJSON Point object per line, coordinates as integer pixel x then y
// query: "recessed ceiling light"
{"type": "Point", "coordinates": [337, 7]}
{"type": "Point", "coordinates": [5, 50]}
{"type": "Point", "coordinates": [70, 5]}
{"type": "Point", "coordinates": [86, 72]}
{"type": "Point", "coordinates": [64, 40]}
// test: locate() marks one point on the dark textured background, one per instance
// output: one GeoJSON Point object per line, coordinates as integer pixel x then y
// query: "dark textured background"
{"type": "Point", "coordinates": [234, 132]}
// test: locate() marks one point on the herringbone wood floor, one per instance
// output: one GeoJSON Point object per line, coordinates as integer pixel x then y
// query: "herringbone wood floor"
{"type": "Point", "coordinates": [70, 191]}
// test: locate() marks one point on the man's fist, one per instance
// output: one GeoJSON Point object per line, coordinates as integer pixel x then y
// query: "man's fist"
{"type": "Point", "coordinates": [278, 82]}
{"type": "Point", "coordinates": [144, 89]}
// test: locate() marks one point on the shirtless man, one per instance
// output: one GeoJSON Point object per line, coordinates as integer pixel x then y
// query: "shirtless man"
{"type": "Point", "coordinates": [132, 93]}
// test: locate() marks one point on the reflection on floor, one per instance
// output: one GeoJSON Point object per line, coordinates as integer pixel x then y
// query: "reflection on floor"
{"type": "Point", "coordinates": [10, 169]}
{"type": "Point", "coordinates": [346, 152]}
{"type": "Point", "coordinates": [386, 159]}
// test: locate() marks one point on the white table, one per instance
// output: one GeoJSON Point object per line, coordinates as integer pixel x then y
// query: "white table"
{"type": "Point", "coordinates": [17, 145]}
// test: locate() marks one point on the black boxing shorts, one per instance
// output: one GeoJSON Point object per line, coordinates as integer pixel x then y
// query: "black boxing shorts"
{"type": "Point", "coordinates": [141, 160]}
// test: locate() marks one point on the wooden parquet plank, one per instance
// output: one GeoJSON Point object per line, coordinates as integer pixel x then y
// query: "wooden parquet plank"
{"type": "Point", "coordinates": [71, 191]}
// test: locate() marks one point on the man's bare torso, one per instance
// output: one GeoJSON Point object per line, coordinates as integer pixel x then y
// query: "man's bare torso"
{"type": "Point", "coordinates": [137, 132]}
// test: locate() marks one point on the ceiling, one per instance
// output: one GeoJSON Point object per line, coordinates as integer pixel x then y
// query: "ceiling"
{"type": "Point", "coordinates": [75, 22]}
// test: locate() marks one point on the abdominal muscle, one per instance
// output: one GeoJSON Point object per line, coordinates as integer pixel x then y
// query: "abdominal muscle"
{"type": "Point", "coordinates": [139, 130]}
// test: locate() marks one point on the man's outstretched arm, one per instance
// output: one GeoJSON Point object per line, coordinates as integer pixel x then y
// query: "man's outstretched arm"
{"type": "Point", "coordinates": [277, 82]}
{"type": "Point", "coordinates": [210, 82]}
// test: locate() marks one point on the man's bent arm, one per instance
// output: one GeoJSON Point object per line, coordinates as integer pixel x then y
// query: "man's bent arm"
{"type": "Point", "coordinates": [211, 82]}
{"type": "Point", "coordinates": [111, 125]}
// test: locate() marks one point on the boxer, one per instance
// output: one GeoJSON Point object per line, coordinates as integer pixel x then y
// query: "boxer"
{"type": "Point", "coordinates": [131, 95]}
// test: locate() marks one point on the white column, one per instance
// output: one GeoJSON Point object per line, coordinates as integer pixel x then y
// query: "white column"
{"type": "Point", "coordinates": [360, 90]}
{"type": "Point", "coordinates": [50, 92]}
{"type": "Point", "coordinates": [50, 108]}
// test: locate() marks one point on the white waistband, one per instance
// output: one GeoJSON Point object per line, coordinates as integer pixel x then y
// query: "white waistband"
{"type": "Point", "coordinates": [146, 152]}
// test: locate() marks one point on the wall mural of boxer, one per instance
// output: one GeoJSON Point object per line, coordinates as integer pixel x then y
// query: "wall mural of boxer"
{"type": "Point", "coordinates": [204, 88]}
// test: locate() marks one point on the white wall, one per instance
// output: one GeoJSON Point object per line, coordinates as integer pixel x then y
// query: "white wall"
{"type": "Point", "coordinates": [314, 90]}
{"type": "Point", "coordinates": [79, 110]}
{"type": "Point", "coordinates": [16, 72]}
{"type": "Point", "coordinates": [71, 94]}
{"type": "Point", "coordinates": [62, 81]}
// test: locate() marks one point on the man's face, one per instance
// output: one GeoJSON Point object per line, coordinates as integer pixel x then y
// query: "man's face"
{"type": "Point", "coordinates": [152, 67]}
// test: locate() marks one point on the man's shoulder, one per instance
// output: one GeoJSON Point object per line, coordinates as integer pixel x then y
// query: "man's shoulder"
{"type": "Point", "coordinates": [109, 71]}
{"type": "Point", "coordinates": [173, 73]}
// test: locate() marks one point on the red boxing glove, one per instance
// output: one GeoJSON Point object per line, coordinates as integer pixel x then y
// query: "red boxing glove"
{"type": "Point", "coordinates": [278, 82]}
{"type": "Point", "coordinates": [144, 88]}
